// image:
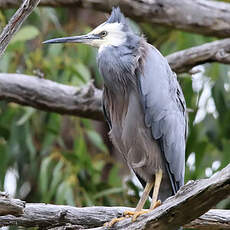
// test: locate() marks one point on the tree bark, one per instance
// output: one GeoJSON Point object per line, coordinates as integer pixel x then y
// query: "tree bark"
{"type": "Point", "coordinates": [9, 206]}
{"type": "Point", "coordinates": [214, 219]}
{"type": "Point", "coordinates": [192, 200]}
{"type": "Point", "coordinates": [217, 51]}
{"type": "Point", "coordinates": [51, 96]}
{"type": "Point", "coordinates": [15, 23]}
{"type": "Point", "coordinates": [210, 18]}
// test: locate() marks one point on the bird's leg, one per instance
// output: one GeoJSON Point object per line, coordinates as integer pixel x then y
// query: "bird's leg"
{"type": "Point", "coordinates": [155, 203]}
{"type": "Point", "coordinates": [138, 211]}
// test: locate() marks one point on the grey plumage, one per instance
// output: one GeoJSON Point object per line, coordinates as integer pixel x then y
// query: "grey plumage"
{"type": "Point", "coordinates": [146, 110]}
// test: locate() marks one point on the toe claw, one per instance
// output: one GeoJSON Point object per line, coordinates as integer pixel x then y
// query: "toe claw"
{"type": "Point", "coordinates": [113, 221]}
{"type": "Point", "coordinates": [137, 214]}
{"type": "Point", "coordinates": [156, 204]}
{"type": "Point", "coordinates": [129, 213]}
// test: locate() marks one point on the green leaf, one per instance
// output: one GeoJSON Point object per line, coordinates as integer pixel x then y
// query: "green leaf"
{"type": "Point", "coordinates": [57, 177]}
{"type": "Point", "coordinates": [25, 34]}
{"type": "Point", "coordinates": [44, 175]}
{"type": "Point", "coordinates": [108, 192]}
{"type": "Point", "coordinates": [60, 194]}
{"type": "Point", "coordinates": [29, 112]}
{"type": "Point", "coordinates": [69, 196]}
{"type": "Point", "coordinates": [96, 139]}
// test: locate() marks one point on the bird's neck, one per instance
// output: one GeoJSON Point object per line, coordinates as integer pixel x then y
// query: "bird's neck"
{"type": "Point", "coordinates": [117, 64]}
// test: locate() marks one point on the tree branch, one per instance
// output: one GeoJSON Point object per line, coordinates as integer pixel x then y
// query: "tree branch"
{"type": "Point", "coordinates": [217, 51]}
{"type": "Point", "coordinates": [192, 200]}
{"type": "Point", "coordinates": [86, 101]}
{"type": "Point", "coordinates": [214, 219]}
{"type": "Point", "coordinates": [15, 22]}
{"type": "Point", "coordinates": [200, 16]}
{"type": "Point", "coordinates": [51, 96]}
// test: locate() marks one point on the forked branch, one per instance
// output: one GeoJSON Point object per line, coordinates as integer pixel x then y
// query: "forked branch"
{"type": "Point", "coordinates": [15, 23]}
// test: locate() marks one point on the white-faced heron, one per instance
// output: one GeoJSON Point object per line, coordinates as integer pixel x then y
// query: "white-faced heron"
{"type": "Point", "coordinates": [143, 105]}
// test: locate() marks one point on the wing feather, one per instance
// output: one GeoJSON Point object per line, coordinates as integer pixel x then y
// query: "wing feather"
{"type": "Point", "coordinates": [165, 112]}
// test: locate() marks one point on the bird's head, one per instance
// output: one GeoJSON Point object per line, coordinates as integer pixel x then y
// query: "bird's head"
{"type": "Point", "coordinates": [113, 32]}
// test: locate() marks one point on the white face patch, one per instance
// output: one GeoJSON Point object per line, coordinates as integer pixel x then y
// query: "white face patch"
{"type": "Point", "coordinates": [115, 36]}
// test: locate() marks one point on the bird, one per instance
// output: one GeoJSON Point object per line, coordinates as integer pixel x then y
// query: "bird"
{"type": "Point", "coordinates": [143, 105]}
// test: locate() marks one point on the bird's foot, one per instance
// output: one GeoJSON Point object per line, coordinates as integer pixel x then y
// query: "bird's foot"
{"type": "Point", "coordinates": [155, 205]}
{"type": "Point", "coordinates": [136, 214]}
{"type": "Point", "coordinates": [113, 221]}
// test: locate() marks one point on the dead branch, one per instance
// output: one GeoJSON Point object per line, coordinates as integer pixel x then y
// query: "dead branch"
{"type": "Point", "coordinates": [210, 18]}
{"type": "Point", "coordinates": [86, 101]}
{"type": "Point", "coordinates": [51, 96]}
{"type": "Point", "coordinates": [193, 200]}
{"type": "Point", "coordinates": [15, 22]}
{"type": "Point", "coordinates": [214, 219]}
{"type": "Point", "coordinates": [217, 51]}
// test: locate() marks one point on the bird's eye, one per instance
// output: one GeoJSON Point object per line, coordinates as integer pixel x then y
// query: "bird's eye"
{"type": "Point", "coordinates": [103, 34]}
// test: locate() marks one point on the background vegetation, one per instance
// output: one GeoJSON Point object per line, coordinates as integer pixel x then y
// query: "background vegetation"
{"type": "Point", "coordinates": [46, 157]}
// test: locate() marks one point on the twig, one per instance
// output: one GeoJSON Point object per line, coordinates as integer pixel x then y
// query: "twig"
{"type": "Point", "coordinates": [15, 23]}
{"type": "Point", "coordinates": [192, 200]}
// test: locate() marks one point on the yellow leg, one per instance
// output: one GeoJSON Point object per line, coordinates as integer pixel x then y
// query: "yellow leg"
{"type": "Point", "coordinates": [144, 197]}
{"type": "Point", "coordinates": [138, 211]}
{"type": "Point", "coordinates": [155, 203]}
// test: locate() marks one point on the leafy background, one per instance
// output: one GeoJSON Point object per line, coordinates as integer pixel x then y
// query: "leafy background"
{"type": "Point", "coordinates": [47, 157]}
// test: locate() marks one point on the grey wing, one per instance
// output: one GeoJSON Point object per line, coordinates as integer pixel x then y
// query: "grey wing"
{"type": "Point", "coordinates": [165, 112]}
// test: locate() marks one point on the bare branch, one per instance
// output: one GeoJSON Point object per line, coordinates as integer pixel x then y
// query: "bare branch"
{"type": "Point", "coordinates": [86, 101]}
{"type": "Point", "coordinates": [217, 51]}
{"type": "Point", "coordinates": [50, 96]}
{"type": "Point", "coordinates": [15, 22]}
{"type": "Point", "coordinates": [214, 219]}
{"type": "Point", "coordinates": [200, 16]}
{"type": "Point", "coordinates": [192, 200]}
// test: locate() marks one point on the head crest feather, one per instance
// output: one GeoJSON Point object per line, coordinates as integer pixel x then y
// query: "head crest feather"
{"type": "Point", "coordinates": [117, 17]}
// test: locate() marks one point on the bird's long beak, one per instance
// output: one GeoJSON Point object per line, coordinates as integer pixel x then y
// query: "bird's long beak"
{"type": "Point", "coordinates": [75, 39]}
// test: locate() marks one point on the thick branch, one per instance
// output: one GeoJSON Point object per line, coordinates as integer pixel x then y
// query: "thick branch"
{"type": "Point", "coordinates": [15, 23]}
{"type": "Point", "coordinates": [193, 200]}
{"type": "Point", "coordinates": [86, 101]}
{"type": "Point", "coordinates": [217, 51]}
{"type": "Point", "coordinates": [50, 96]}
{"type": "Point", "coordinates": [199, 16]}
